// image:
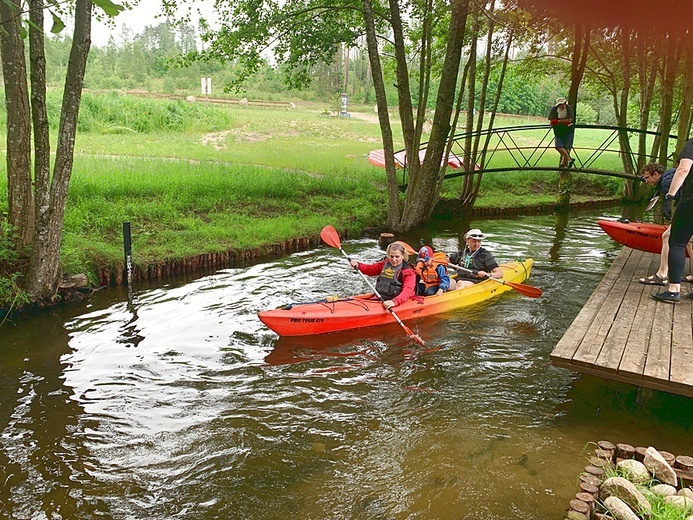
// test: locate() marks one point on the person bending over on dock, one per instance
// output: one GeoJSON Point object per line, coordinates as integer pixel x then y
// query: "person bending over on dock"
{"type": "Point", "coordinates": [562, 117]}
{"type": "Point", "coordinates": [477, 259]}
{"type": "Point", "coordinates": [433, 273]}
{"type": "Point", "coordinates": [396, 277]}
{"type": "Point", "coordinates": [681, 224]}
{"type": "Point", "coordinates": [655, 175]}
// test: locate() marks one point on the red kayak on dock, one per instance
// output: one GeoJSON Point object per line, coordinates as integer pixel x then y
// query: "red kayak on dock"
{"type": "Point", "coordinates": [643, 236]}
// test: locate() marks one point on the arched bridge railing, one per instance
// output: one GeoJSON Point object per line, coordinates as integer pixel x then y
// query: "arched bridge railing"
{"type": "Point", "coordinates": [596, 150]}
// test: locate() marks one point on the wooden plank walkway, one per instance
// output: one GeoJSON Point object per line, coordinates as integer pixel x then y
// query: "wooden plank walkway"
{"type": "Point", "coordinates": [623, 334]}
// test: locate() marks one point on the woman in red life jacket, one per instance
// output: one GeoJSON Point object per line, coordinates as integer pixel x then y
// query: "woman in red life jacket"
{"type": "Point", "coordinates": [396, 277]}
{"type": "Point", "coordinates": [433, 274]}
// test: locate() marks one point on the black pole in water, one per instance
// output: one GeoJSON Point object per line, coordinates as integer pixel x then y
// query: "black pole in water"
{"type": "Point", "coordinates": [127, 246]}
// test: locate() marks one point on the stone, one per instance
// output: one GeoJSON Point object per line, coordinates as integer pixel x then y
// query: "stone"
{"type": "Point", "coordinates": [619, 509]}
{"type": "Point", "coordinates": [686, 492]}
{"type": "Point", "coordinates": [190, 99]}
{"type": "Point", "coordinates": [640, 453]}
{"type": "Point", "coordinates": [684, 462]}
{"type": "Point", "coordinates": [74, 281]}
{"type": "Point", "coordinates": [683, 503]}
{"type": "Point", "coordinates": [669, 457]}
{"type": "Point", "coordinates": [663, 490]}
{"type": "Point", "coordinates": [625, 490]}
{"type": "Point", "coordinates": [634, 470]}
{"type": "Point", "coordinates": [574, 515]}
{"type": "Point", "coordinates": [659, 467]}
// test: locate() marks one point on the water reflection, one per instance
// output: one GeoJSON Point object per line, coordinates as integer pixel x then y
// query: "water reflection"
{"type": "Point", "coordinates": [175, 401]}
{"type": "Point", "coordinates": [559, 237]}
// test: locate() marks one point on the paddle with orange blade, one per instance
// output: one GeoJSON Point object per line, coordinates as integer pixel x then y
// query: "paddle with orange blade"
{"type": "Point", "coordinates": [331, 238]}
{"type": "Point", "coordinates": [526, 290]}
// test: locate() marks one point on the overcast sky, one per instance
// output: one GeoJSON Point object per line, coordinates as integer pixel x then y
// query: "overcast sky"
{"type": "Point", "coordinates": [137, 19]}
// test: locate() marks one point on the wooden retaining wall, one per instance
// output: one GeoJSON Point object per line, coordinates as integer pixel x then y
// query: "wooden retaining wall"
{"type": "Point", "coordinates": [209, 262]}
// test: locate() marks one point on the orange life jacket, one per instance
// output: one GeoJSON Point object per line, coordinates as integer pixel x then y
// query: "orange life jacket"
{"type": "Point", "coordinates": [428, 274]}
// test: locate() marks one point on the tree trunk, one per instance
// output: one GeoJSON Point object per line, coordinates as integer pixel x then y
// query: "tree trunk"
{"type": "Point", "coordinates": [39, 114]}
{"type": "Point", "coordinates": [577, 70]}
{"type": "Point", "coordinates": [367, 86]}
{"type": "Point", "coordinates": [393, 215]}
{"type": "Point", "coordinates": [668, 82]}
{"type": "Point", "coordinates": [44, 267]}
{"type": "Point", "coordinates": [686, 112]}
{"type": "Point", "coordinates": [345, 68]}
{"type": "Point", "coordinates": [406, 110]}
{"type": "Point", "coordinates": [647, 74]}
{"type": "Point", "coordinates": [422, 195]}
{"type": "Point", "coordinates": [624, 138]}
{"type": "Point", "coordinates": [20, 195]}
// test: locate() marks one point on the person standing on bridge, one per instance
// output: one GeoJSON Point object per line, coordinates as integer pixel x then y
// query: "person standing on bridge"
{"type": "Point", "coordinates": [681, 224]}
{"type": "Point", "coordinates": [562, 118]}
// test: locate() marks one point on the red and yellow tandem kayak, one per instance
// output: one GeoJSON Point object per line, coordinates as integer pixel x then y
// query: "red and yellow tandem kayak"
{"type": "Point", "coordinates": [365, 310]}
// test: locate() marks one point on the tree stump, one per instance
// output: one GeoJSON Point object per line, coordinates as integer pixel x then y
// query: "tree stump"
{"type": "Point", "coordinates": [625, 451]}
{"type": "Point", "coordinates": [385, 239]}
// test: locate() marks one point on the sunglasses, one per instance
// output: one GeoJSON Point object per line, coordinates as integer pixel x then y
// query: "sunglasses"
{"type": "Point", "coordinates": [479, 237]}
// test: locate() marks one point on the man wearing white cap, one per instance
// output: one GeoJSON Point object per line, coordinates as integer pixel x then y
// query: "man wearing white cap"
{"type": "Point", "coordinates": [561, 117]}
{"type": "Point", "coordinates": [477, 259]}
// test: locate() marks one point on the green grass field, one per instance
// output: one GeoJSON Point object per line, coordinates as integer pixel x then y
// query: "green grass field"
{"type": "Point", "coordinates": [193, 179]}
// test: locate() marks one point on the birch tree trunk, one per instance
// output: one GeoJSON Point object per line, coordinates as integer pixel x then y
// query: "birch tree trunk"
{"type": "Point", "coordinates": [44, 266]}
{"type": "Point", "coordinates": [20, 195]}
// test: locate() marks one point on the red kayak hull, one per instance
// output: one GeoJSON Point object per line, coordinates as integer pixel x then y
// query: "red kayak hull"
{"type": "Point", "coordinates": [365, 310]}
{"type": "Point", "coordinates": [636, 235]}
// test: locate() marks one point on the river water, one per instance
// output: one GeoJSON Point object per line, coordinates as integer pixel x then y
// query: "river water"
{"type": "Point", "coordinates": [176, 402]}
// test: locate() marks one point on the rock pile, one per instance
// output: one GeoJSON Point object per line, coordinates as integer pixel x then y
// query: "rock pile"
{"type": "Point", "coordinates": [620, 481]}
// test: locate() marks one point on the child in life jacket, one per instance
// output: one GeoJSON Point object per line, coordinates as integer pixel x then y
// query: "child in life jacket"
{"type": "Point", "coordinates": [396, 277]}
{"type": "Point", "coordinates": [433, 273]}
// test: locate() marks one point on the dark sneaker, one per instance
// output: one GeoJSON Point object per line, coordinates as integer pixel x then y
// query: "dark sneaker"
{"type": "Point", "coordinates": [667, 296]}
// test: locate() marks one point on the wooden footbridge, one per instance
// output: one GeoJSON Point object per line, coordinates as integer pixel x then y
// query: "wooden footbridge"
{"type": "Point", "coordinates": [623, 334]}
{"type": "Point", "coordinates": [597, 150]}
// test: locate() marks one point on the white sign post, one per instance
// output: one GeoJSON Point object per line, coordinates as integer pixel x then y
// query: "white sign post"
{"type": "Point", "coordinates": [206, 84]}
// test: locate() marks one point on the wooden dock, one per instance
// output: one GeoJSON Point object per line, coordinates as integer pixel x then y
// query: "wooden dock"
{"type": "Point", "coordinates": [623, 334]}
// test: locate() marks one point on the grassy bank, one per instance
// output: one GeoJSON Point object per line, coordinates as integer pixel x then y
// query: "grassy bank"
{"type": "Point", "coordinates": [193, 179]}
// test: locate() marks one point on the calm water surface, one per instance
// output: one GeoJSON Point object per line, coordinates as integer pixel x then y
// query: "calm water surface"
{"type": "Point", "coordinates": [176, 402]}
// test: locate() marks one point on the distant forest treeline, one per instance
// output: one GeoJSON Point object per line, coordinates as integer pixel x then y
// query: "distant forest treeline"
{"type": "Point", "coordinates": [150, 61]}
